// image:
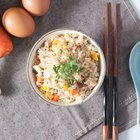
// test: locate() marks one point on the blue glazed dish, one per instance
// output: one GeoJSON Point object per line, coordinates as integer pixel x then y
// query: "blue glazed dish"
{"type": "Point", "coordinates": [134, 65]}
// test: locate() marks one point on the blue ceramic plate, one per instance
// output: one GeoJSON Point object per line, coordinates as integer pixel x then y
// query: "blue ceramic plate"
{"type": "Point", "coordinates": [134, 65]}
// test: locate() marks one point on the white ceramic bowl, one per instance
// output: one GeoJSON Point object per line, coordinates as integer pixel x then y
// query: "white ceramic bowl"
{"type": "Point", "coordinates": [30, 63]}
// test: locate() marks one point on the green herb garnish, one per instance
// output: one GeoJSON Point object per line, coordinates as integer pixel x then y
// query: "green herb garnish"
{"type": "Point", "coordinates": [83, 81]}
{"type": "Point", "coordinates": [88, 41]}
{"type": "Point", "coordinates": [70, 58]}
{"type": "Point", "coordinates": [34, 71]}
{"type": "Point", "coordinates": [56, 91]}
{"type": "Point", "coordinates": [55, 68]}
{"type": "Point", "coordinates": [61, 51]}
{"type": "Point", "coordinates": [71, 81]}
{"type": "Point", "coordinates": [65, 70]}
{"type": "Point", "coordinates": [56, 80]}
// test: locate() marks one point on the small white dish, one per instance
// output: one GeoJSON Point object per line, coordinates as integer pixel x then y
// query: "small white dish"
{"type": "Point", "coordinates": [30, 63]}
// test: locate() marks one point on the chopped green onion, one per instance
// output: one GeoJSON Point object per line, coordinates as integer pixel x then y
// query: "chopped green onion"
{"type": "Point", "coordinates": [88, 41]}
{"type": "Point", "coordinates": [56, 90]}
{"type": "Point", "coordinates": [34, 71]}
{"type": "Point", "coordinates": [65, 70]}
{"type": "Point", "coordinates": [61, 51]}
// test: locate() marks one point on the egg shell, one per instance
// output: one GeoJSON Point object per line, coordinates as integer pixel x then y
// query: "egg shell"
{"type": "Point", "coordinates": [36, 7]}
{"type": "Point", "coordinates": [18, 22]}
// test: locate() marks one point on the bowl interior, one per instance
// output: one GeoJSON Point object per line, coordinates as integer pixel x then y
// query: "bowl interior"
{"type": "Point", "coordinates": [30, 63]}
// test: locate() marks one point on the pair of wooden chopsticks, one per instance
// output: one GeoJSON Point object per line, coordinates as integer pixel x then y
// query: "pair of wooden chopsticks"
{"type": "Point", "coordinates": [115, 75]}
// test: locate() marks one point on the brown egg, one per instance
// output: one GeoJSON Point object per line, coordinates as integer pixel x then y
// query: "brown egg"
{"type": "Point", "coordinates": [18, 22]}
{"type": "Point", "coordinates": [36, 7]}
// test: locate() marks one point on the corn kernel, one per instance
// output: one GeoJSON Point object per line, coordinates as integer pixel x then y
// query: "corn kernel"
{"type": "Point", "coordinates": [53, 48]}
{"type": "Point", "coordinates": [49, 95]}
{"type": "Point", "coordinates": [40, 79]}
{"type": "Point", "coordinates": [94, 55]}
{"type": "Point", "coordinates": [45, 88]}
{"type": "Point", "coordinates": [65, 46]}
{"type": "Point", "coordinates": [65, 87]}
{"type": "Point", "coordinates": [42, 90]}
{"type": "Point", "coordinates": [55, 42]}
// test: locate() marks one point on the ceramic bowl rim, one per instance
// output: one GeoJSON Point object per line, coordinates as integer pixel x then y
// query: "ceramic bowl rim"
{"type": "Point", "coordinates": [29, 65]}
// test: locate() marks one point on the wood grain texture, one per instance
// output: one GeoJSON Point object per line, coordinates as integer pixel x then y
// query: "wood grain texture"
{"type": "Point", "coordinates": [106, 38]}
{"type": "Point", "coordinates": [105, 132]}
{"type": "Point", "coordinates": [115, 75]}
{"type": "Point", "coordinates": [106, 91]}
{"type": "Point", "coordinates": [115, 133]}
{"type": "Point", "coordinates": [115, 41]}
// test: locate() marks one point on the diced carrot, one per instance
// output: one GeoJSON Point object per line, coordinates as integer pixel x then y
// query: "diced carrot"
{"type": "Point", "coordinates": [73, 91]}
{"type": "Point", "coordinates": [49, 95]}
{"type": "Point", "coordinates": [6, 45]}
{"type": "Point", "coordinates": [79, 84]}
{"type": "Point", "coordinates": [37, 57]}
{"type": "Point", "coordinates": [55, 97]}
{"type": "Point", "coordinates": [40, 79]}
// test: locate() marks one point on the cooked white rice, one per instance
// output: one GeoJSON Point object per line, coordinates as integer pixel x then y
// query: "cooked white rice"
{"type": "Point", "coordinates": [67, 67]}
